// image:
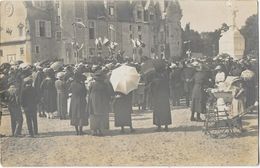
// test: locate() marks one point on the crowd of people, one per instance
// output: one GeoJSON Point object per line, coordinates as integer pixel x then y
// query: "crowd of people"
{"type": "Point", "coordinates": [84, 94]}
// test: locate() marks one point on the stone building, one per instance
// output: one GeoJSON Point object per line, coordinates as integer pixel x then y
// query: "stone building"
{"type": "Point", "coordinates": [47, 29]}
{"type": "Point", "coordinates": [27, 31]}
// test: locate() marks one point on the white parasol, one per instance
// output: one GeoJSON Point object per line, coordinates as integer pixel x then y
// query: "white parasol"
{"type": "Point", "coordinates": [247, 74]}
{"type": "Point", "coordinates": [124, 79]}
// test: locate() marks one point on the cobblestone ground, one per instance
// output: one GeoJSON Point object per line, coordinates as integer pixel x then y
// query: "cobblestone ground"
{"type": "Point", "coordinates": [185, 144]}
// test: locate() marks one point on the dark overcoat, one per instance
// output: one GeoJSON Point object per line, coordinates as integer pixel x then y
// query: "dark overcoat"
{"type": "Point", "coordinates": [49, 95]}
{"type": "Point", "coordinates": [78, 113]}
{"type": "Point", "coordinates": [161, 105]}
{"type": "Point", "coordinates": [122, 108]}
{"type": "Point", "coordinates": [198, 93]}
{"type": "Point", "coordinates": [99, 104]}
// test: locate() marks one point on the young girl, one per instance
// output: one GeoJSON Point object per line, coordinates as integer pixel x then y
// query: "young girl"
{"type": "Point", "coordinates": [238, 102]}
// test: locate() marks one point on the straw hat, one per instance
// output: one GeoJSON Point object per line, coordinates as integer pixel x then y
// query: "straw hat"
{"type": "Point", "coordinates": [60, 75]}
{"type": "Point", "coordinates": [218, 67]}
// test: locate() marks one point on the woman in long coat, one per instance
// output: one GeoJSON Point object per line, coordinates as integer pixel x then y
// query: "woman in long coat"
{"type": "Point", "coordinates": [99, 104]}
{"type": "Point", "coordinates": [122, 108]}
{"type": "Point", "coordinates": [78, 114]}
{"type": "Point", "coordinates": [62, 95]}
{"type": "Point", "coordinates": [49, 94]}
{"type": "Point", "coordinates": [161, 104]}
{"type": "Point", "coordinates": [198, 94]}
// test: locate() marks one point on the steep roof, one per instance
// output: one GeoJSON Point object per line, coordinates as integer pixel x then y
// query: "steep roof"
{"type": "Point", "coordinates": [124, 11]}
{"type": "Point", "coordinates": [95, 9]}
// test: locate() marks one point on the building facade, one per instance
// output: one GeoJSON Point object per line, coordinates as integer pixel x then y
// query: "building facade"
{"type": "Point", "coordinates": [27, 31]}
{"type": "Point", "coordinates": [38, 30]}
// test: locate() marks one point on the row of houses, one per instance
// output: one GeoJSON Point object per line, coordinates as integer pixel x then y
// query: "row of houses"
{"type": "Point", "coordinates": [69, 30]}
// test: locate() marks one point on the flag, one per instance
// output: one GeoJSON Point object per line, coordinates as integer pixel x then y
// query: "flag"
{"type": "Point", "coordinates": [133, 43]}
{"type": "Point", "coordinates": [138, 43]}
{"type": "Point", "coordinates": [147, 5]}
{"type": "Point", "coordinates": [111, 27]}
{"type": "Point", "coordinates": [106, 42]}
{"type": "Point", "coordinates": [142, 44]}
{"type": "Point", "coordinates": [96, 41]}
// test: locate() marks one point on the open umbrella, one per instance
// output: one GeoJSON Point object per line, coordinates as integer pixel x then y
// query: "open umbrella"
{"type": "Point", "coordinates": [124, 79]}
{"type": "Point", "coordinates": [56, 65]}
{"type": "Point", "coordinates": [247, 74]}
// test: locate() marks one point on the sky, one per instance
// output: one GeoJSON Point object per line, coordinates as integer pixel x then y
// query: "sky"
{"type": "Point", "coordinates": [208, 15]}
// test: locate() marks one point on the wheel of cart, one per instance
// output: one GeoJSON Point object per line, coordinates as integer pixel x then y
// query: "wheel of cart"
{"type": "Point", "coordinates": [217, 124]}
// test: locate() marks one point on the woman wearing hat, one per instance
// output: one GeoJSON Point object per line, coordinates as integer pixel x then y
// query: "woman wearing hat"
{"type": "Point", "coordinates": [100, 93]}
{"type": "Point", "coordinates": [238, 101]}
{"type": "Point", "coordinates": [49, 93]}
{"type": "Point", "coordinates": [198, 96]}
{"type": "Point", "coordinates": [161, 104]}
{"type": "Point", "coordinates": [220, 76]}
{"type": "Point", "coordinates": [62, 95]}
{"type": "Point", "coordinates": [78, 114]}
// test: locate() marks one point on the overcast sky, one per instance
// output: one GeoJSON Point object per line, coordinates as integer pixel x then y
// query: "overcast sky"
{"type": "Point", "coordinates": [207, 15]}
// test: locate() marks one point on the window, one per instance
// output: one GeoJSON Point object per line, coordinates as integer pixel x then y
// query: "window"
{"type": "Point", "coordinates": [57, 4]}
{"type": "Point", "coordinates": [111, 10]}
{"type": "Point", "coordinates": [146, 16]}
{"type": "Point", "coordinates": [167, 30]}
{"type": "Point", "coordinates": [21, 51]}
{"type": "Point", "coordinates": [131, 36]}
{"type": "Point", "coordinates": [37, 49]}
{"type": "Point", "coordinates": [130, 27]}
{"type": "Point", "coordinates": [140, 37]}
{"type": "Point", "coordinates": [91, 30]}
{"type": "Point", "coordinates": [20, 31]}
{"type": "Point", "coordinates": [1, 53]}
{"type": "Point", "coordinates": [139, 14]}
{"type": "Point", "coordinates": [58, 36]}
{"type": "Point", "coordinates": [151, 17]}
{"type": "Point", "coordinates": [162, 48]}
{"type": "Point", "coordinates": [57, 20]}
{"type": "Point", "coordinates": [91, 51]}
{"type": "Point", "coordinates": [139, 28]}
{"type": "Point", "coordinates": [162, 37]}
{"type": "Point", "coordinates": [42, 28]}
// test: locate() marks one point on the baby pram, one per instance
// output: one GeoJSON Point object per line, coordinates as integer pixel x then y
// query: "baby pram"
{"type": "Point", "coordinates": [219, 122]}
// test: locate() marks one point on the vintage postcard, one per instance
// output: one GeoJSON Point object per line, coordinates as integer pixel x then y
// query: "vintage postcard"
{"type": "Point", "coordinates": [129, 83]}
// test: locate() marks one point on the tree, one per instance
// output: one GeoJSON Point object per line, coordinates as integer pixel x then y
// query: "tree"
{"type": "Point", "coordinates": [250, 33]}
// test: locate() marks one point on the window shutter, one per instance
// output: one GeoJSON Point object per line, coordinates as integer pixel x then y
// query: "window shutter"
{"type": "Point", "coordinates": [48, 29]}
{"type": "Point", "coordinates": [37, 28]}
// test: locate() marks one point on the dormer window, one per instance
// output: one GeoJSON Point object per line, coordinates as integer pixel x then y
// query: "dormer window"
{"type": "Point", "coordinates": [151, 17]}
{"type": "Point", "coordinates": [139, 14]}
{"type": "Point", "coordinates": [146, 16]}
{"type": "Point", "coordinates": [111, 10]}
{"type": "Point", "coordinates": [20, 28]}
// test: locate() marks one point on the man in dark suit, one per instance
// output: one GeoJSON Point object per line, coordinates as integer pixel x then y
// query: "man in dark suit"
{"type": "Point", "coordinates": [29, 104]}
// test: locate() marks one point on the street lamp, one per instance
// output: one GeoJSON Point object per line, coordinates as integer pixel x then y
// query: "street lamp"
{"type": "Point", "coordinates": [76, 46]}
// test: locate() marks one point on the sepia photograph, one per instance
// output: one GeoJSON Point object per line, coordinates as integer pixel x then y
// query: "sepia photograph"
{"type": "Point", "coordinates": [129, 83]}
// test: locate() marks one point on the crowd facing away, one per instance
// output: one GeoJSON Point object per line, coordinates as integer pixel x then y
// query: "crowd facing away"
{"type": "Point", "coordinates": [83, 92]}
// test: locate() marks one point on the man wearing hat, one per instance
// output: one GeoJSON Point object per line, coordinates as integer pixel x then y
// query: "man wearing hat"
{"type": "Point", "coordinates": [29, 104]}
{"type": "Point", "coordinates": [15, 111]}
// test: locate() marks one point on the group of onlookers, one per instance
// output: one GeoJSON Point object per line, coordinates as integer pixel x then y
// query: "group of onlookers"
{"type": "Point", "coordinates": [88, 99]}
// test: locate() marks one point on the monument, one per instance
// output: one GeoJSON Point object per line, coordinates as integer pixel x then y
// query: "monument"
{"type": "Point", "coordinates": [232, 42]}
